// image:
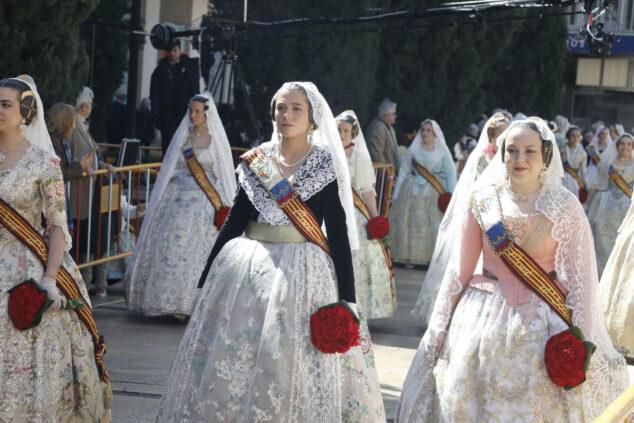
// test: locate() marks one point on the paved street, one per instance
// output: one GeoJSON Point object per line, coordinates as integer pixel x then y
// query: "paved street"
{"type": "Point", "coordinates": [141, 350]}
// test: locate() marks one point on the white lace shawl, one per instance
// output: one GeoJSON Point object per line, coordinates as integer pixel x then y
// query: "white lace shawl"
{"type": "Point", "coordinates": [602, 177]}
{"type": "Point", "coordinates": [575, 264]}
{"type": "Point", "coordinates": [311, 177]}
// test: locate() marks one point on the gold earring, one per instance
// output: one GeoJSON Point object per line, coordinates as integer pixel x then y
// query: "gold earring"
{"type": "Point", "coordinates": [23, 127]}
{"type": "Point", "coordinates": [542, 174]}
{"type": "Point", "coordinates": [310, 135]}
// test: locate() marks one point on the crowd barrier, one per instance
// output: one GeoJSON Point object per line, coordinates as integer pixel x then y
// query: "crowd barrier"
{"type": "Point", "coordinates": [135, 182]}
{"type": "Point", "coordinates": [106, 149]}
{"type": "Point", "coordinates": [621, 410]}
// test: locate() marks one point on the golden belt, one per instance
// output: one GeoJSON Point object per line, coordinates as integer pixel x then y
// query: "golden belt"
{"type": "Point", "coordinates": [271, 233]}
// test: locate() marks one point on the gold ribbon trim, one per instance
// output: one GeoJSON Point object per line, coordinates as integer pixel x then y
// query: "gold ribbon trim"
{"type": "Point", "coordinates": [429, 177]}
{"type": "Point", "coordinates": [201, 179]}
{"type": "Point", "coordinates": [618, 180]}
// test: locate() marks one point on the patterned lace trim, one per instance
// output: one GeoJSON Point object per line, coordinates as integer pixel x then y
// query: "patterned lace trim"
{"type": "Point", "coordinates": [311, 177]}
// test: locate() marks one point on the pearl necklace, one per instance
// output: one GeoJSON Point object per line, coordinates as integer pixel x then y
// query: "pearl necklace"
{"type": "Point", "coordinates": [281, 161]}
{"type": "Point", "coordinates": [3, 153]}
{"type": "Point", "coordinates": [522, 198]}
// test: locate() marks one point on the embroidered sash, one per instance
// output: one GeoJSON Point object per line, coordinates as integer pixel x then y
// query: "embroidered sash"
{"type": "Point", "coordinates": [360, 205]}
{"type": "Point", "coordinates": [429, 177]}
{"type": "Point", "coordinates": [618, 180]}
{"type": "Point", "coordinates": [201, 178]}
{"type": "Point", "coordinates": [31, 238]}
{"type": "Point", "coordinates": [574, 174]}
{"type": "Point", "coordinates": [519, 262]}
{"type": "Point", "coordinates": [285, 196]}
{"type": "Point", "coordinates": [594, 154]}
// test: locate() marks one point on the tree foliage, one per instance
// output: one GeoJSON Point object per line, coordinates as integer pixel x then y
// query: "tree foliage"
{"type": "Point", "coordinates": [41, 38]}
{"type": "Point", "coordinates": [432, 68]}
{"type": "Point", "coordinates": [110, 57]}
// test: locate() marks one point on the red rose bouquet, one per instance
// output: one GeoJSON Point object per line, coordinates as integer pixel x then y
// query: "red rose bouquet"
{"type": "Point", "coordinates": [28, 302]}
{"type": "Point", "coordinates": [583, 195]}
{"type": "Point", "coordinates": [378, 227]}
{"type": "Point", "coordinates": [221, 216]}
{"type": "Point", "coordinates": [334, 328]}
{"type": "Point", "coordinates": [567, 358]}
{"type": "Point", "coordinates": [443, 201]}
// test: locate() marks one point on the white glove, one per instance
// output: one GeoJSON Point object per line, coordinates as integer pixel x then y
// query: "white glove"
{"type": "Point", "coordinates": [195, 301]}
{"type": "Point", "coordinates": [353, 307]}
{"type": "Point", "coordinates": [53, 294]}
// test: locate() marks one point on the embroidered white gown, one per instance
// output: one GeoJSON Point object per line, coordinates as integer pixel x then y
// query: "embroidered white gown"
{"type": "Point", "coordinates": [577, 159]}
{"type": "Point", "coordinates": [247, 355]}
{"type": "Point", "coordinates": [47, 373]}
{"type": "Point", "coordinates": [164, 277]}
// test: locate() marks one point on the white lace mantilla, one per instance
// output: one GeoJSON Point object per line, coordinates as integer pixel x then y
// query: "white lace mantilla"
{"type": "Point", "coordinates": [311, 177]}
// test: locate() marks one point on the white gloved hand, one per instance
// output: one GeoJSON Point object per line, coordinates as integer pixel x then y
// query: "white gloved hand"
{"type": "Point", "coordinates": [53, 294]}
{"type": "Point", "coordinates": [195, 301]}
{"type": "Point", "coordinates": [353, 307]}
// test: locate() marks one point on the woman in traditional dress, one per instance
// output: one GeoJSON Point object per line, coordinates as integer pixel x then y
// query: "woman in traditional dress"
{"type": "Point", "coordinates": [415, 215]}
{"type": "Point", "coordinates": [482, 357]}
{"type": "Point", "coordinates": [48, 373]}
{"type": "Point", "coordinates": [247, 353]}
{"type": "Point", "coordinates": [617, 288]}
{"type": "Point", "coordinates": [373, 273]}
{"type": "Point", "coordinates": [609, 198]}
{"type": "Point", "coordinates": [478, 161]}
{"type": "Point", "coordinates": [575, 160]}
{"type": "Point", "coordinates": [180, 220]}
{"type": "Point", "coordinates": [595, 149]}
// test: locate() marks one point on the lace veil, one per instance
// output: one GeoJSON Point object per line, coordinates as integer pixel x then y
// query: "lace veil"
{"type": "Point", "coordinates": [595, 139]}
{"type": "Point", "coordinates": [416, 146]}
{"type": "Point", "coordinates": [362, 172]}
{"type": "Point", "coordinates": [37, 133]}
{"type": "Point", "coordinates": [602, 179]}
{"type": "Point", "coordinates": [223, 166]}
{"type": "Point", "coordinates": [575, 264]}
{"type": "Point", "coordinates": [327, 136]}
{"type": "Point", "coordinates": [450, 225]}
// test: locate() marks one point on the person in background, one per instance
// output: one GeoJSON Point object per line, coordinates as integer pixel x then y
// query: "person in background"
{"type": "Point", "coordinates": [175, 80]}
{"type": "Point", "coordinates": [381, 138]}
{"type": "Point", "coordinates": [117, 118]}
{"type": "Point", "coordinates": [60, 122]}
{"type": "Point", "coordinates": [465, 146]}
{"type": "Point", "coordinates": [81, 144]}
{"type": "Point", "coordinates": [145, 130]}
{"type": "Point", "coordinates": [409, 128]}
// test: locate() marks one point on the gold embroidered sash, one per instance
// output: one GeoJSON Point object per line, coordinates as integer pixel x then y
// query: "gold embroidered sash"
{"type": "Point", "coordinates": [271, 178]}
{"type": "Point", "coordinates": [518, 261]}
{"type": "Point", "coordinates": [15, 223]}
{"type": "Point", "coordinates": [621, 183]}
{"type": "Point", "coordinates": [429, 177]}
{"type": "Point", "coordinates": [201, 178]}
{"type": "Point", "coordinates": [574, 174]}
{"type": "Point", "coordinates": [360, 205]}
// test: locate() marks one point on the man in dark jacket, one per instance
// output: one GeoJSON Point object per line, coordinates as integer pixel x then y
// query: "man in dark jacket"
{"type": "Point", "coordinates": [174, 81]}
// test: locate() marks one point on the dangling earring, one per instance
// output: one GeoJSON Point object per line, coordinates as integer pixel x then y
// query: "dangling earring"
{"type": "Point", "coordinates": [542, 175]}
{"type": "Point", "coordinates": [310, 135]}
{"type": "Point", "coordinates": [279, 136]}
{"type": "Point", "coordinates": [23, 127]}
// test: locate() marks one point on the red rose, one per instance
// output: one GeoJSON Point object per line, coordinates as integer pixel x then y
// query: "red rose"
{"type": "Point", "coordinates": [333, 329]}
{"type": "Point", "coordinates": [443, 201]}
{"type": "Point", "coordinates": [221, 216]}
{"type": "Point", "coordinates": [567, 357]}
{"type": "Point", "coordinates": [27, 302]}
{"type": "Point", "coordinates": [583, 195]}
{"type": "Point", "coordinates": [378, 227]}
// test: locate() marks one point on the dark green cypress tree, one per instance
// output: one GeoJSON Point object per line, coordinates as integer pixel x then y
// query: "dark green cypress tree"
{"type": "Point", "coordinates": [528, 76]}
{"type": "Point", "coordinates": [41, 38]}
{"type": "Point", "coordinates": [110, 57]}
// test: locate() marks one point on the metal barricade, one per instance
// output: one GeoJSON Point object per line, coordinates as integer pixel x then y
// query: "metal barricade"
{"type": "Point", "coordinates": [133, 181]}
{"type": "Point", "coordinates": [621, 410]}
{"type": "Point", "coordinates": [105, 149]}
{"type": "Point", "coordinates": [384, 181]}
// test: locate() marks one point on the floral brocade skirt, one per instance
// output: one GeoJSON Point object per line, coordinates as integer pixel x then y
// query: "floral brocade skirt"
{"type": "Point", "coordinates": [414, 221]}
{"type": "Point", "coordinates": [247, 355]}
{"type": "Point", "coordinates": [491, 367]}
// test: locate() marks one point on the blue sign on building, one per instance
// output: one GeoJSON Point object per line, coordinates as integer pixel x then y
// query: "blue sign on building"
{"type": "Point", "coordinates": [622, 43]}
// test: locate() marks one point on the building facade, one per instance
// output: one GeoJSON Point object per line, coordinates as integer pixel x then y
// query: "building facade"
{"type": "Point", "coordinates": [601, 87]}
